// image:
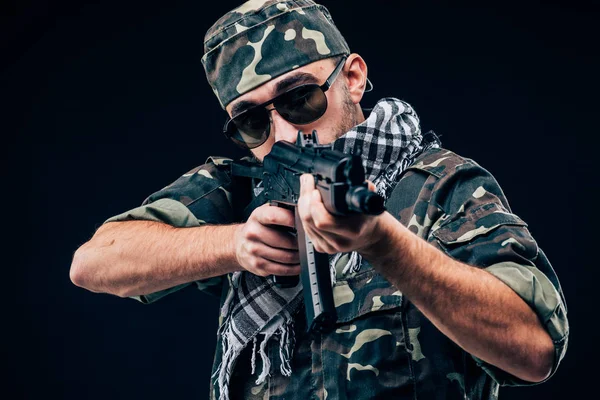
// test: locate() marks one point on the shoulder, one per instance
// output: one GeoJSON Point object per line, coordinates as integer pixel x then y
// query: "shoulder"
{"type": "Point", "coordinates": [199, 196]}
{"type": "Point", "coordinates": [214, 171]}
{"type": "Point", "coordinates": [441, 162]}
{"type": "Point", "coordinates": [206, 184]}
{"type": "Point", "coordinates": [454, 180]}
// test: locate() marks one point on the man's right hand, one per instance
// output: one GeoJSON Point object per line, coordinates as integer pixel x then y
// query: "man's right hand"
{"type": "Point", "coordinates": [263, 246]}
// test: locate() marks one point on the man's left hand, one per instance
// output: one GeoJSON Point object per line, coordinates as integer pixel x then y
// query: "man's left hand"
{"type": "Point", "coordinates": [331, 233]}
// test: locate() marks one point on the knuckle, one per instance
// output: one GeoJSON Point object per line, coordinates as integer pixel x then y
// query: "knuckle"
{"type": "Point", "coordinates": [251, 248]}
{"type": "Point", "coordinates": [258, 267]}
{"type": "Point", "coordinates": [305, 217]}
{"type": "Point", "coordinates": [261, 213]}
{"type": "Point", "coordinates": [261, 264]}
{"type": "Point", "coordinates": [318, 223]}
{"type": "Point", "coordinates": [321, 223]}
{"type": "Point", "coordinates": [253, 232]}
{"type": "Point", "coordinates": [269, 218]}
{"type": "Point", "coordinates": [291, 257]}
{"type": "Point", "coordinates": [262, 269]}
{"type": "Point", "coordinates": [252, 263]}
{"type": "Point", "coordinates": [247, 232]}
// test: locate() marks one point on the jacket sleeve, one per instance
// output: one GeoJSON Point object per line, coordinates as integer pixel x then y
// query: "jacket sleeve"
{"type": "Point", "coordinates": [198, 197]}
{"type": "Point", "coordinates": [478, 228]}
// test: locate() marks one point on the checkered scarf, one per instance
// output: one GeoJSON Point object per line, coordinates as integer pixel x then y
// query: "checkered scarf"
{"type": "Point", "coordinates": [256, 310]}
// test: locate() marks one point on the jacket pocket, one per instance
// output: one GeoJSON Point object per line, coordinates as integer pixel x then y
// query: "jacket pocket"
{"type": "Point", "coordinates": [485, 236]}
{"type": "Point", "coordinates": [477, 222]}
{"type": "Point", "coordinates": [364, 293]}
{"type": "Point", "coordinates": [365, 354]}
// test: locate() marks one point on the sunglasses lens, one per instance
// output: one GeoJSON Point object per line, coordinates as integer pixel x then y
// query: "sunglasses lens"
{"type": "Point", "coordinates": [250, 129]}
{"type": "Point", "coordinates": [302, 105]}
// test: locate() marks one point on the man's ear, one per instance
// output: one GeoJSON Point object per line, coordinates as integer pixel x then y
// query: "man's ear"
{"type": "Point", "coordinates": [355, 71]}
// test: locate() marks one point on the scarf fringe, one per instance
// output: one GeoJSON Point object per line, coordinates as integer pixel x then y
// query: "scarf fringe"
{"type": "Point", "coordinates": [286, 347]}
{"type": "Point", "coordinates": [230, 354]}
{"type": "Point", "coordinates": [265, 360]}
{"type": "Point", "coordinates": [283, 331]}
{"type": "Point", "coordinates": [253, 360]}
{"type": "Point", "coordinates": [353, 264]}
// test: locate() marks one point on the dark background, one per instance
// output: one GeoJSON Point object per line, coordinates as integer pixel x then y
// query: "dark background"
{"type": "Point", "coordinates": [106, 102]}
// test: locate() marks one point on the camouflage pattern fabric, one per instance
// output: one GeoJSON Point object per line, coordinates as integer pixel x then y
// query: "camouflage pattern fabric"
{"type": "Point", "coordinates": [383, 347]}
{"type": "Point", "coordinates": [200, 196]}
{"type": "Point", "coordinates": [262, 39]}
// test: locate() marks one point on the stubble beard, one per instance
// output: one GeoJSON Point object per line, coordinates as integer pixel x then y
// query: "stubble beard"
{"type": "Point", "coordinates": [349, 119]}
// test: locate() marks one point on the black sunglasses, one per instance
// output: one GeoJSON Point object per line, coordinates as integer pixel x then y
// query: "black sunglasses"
{"type": "Point", "coordinates": [300, 105]}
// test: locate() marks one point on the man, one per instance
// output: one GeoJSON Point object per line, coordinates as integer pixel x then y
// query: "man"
{"type": "Point", "coordinates": [447, 295]}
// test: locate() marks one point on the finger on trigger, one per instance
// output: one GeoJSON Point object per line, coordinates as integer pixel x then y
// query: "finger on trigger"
{"type": "Point", "coordinates": [307, 184]}
{"type": "Point", "coordinates": [320, 216]}
{"type": "Point", "coordinates": [316, 198]}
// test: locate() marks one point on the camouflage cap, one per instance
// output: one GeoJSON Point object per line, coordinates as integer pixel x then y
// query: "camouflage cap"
{"type": "Point", "coordinates": [263, 39]}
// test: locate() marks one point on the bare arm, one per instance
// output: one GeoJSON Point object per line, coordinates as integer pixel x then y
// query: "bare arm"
{"type": "Point", "coordinates": [132, 258]}
{"type": "Point", "coordinates": [462, 302]}
{"type": "Point", "coordinates": [139, 257]}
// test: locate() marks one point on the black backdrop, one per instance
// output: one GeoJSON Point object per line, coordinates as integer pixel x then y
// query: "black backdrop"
{"type": "Point", "coordinates": [106, 102]}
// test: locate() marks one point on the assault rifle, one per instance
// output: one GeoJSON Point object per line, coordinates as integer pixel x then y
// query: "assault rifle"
{"type": "Point", "coordinates": [340, 178]}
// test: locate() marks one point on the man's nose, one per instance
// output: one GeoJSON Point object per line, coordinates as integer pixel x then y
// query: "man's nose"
{"type": "Point", "coordinates": [282, 129]}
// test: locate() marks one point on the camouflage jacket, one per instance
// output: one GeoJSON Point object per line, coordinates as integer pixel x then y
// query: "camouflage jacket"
{"type": "Point", "coordinates": [383, 347]}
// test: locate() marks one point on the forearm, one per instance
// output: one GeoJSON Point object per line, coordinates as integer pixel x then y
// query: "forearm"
{"type": "Point", "coordinates": [140, 257]}
{"type": "Point", "coordinates": [472, 307]}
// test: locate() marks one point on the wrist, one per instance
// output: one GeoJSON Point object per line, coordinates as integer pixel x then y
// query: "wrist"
{"type": "Point", "coordinates": [391, 250]}
{"type": "Point", "coordinates": [223, 246]}
{"type": "Point", "coordinates": [381, 235]}
{"type": "Point", "coordinates": [233, 248]}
